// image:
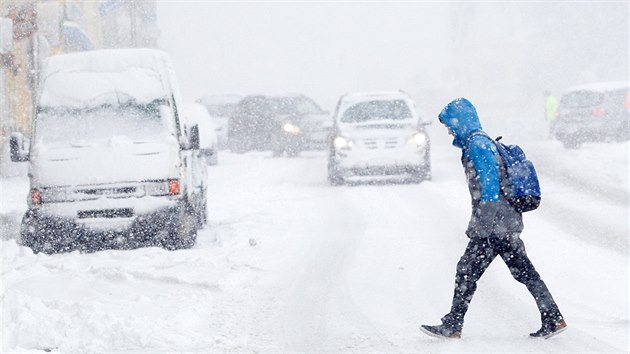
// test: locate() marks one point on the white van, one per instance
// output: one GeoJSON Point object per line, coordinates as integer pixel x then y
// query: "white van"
{"type": "Point", "coordinates": [109, 163]}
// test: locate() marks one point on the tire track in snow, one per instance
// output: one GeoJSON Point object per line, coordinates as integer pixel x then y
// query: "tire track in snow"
{"type": "Point", "coordinates": [319, 311]}
{"type": "Point", "coordinates": [581, 216]}
{"type": "Point", "coordinates": [574, 199]}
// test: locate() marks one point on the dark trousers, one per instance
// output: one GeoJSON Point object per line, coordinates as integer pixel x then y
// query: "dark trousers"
{"type": "Point", "coordinates": [479, 253]}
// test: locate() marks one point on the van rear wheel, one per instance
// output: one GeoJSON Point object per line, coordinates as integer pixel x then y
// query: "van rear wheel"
{"type": "Point", "coordinates": [183, 231]}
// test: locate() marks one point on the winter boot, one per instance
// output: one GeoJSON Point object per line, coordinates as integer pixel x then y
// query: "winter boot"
{"type": "Point", "coordinates": [441, 331]}
{"type": "Point", "coordinates": [550, 329]}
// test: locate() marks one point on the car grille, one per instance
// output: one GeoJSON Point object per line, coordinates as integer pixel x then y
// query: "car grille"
{"type": "Point", "coordinates": [377, 144]}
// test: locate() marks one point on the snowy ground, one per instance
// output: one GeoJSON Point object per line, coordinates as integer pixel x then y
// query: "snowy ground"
{"type": "Point", "coordinates": [290, 264]}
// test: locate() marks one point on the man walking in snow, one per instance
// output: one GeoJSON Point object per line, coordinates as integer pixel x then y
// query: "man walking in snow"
{"type": "Point", "coordinates": [494, 228]}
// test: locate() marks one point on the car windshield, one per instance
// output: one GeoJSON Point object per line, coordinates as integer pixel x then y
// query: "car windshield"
{"type": "Point", "coordinates": [255, 106]}
{"type": "Point", "coordinates": [579, 99]}
{"type": "Point", "coordinates": [78, 126]}
{"type": "Point", "coordinates": [376, 110]}
{"type": "Point", "coordinates": [294, 106]}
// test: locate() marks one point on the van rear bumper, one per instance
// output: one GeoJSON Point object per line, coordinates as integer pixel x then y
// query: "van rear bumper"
{"type": "Point", "coordinates": [49, 233]}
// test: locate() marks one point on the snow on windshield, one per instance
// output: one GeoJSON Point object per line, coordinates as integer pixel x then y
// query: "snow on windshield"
{"type": "Point", "coordinates": [376, 110]}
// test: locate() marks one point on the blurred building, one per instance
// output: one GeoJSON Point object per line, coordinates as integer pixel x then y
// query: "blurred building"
{"type": "Point", "coordinates": [32, 30]}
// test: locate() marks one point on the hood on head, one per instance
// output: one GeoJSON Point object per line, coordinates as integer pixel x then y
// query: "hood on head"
{"type": "Point", "coordinates": [460, 116]}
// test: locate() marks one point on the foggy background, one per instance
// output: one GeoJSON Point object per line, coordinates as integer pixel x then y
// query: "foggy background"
{"type": "Point", "coordinates": [501, 55]}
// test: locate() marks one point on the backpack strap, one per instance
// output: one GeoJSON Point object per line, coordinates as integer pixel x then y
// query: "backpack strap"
{"type": "Point", "coordinates": [502, 167]}
{"type": "Point", "coordinates": [474, 134]}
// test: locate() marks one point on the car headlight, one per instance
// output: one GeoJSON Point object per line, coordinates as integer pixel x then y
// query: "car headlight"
{"type": "Point", "coordinates": [290, 128]}
{"type": "Point", "coordinates": [419, 139]}
{"type": "Point", "coordinates": [341, 142]}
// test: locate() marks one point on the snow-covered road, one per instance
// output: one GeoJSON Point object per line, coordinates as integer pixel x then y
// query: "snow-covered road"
{"type": "Point", "coordinates": [290, 264]}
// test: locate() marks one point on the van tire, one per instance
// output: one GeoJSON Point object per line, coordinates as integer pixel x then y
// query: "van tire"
{"type": "Point", "coordinates": [183, 232]}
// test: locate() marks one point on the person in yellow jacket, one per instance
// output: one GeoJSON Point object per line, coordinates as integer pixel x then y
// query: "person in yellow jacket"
{"type": "Point", "coordinates": [551, 109]}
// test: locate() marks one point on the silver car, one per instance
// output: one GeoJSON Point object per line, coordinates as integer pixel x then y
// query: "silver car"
{"type": "Point", "coordinates": [378, 134]}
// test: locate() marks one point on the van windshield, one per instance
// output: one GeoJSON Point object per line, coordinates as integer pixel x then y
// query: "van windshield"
{"type": "Point", "coordinates": [131, 121]}
{"type": "Point", "coordinates": [376, 110]}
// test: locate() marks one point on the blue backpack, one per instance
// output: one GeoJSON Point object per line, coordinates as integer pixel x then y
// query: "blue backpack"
{"type": "Point", "coordinates": [523, 191]}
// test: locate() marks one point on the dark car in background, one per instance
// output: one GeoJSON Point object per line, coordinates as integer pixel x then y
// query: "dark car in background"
{"type": "Point", "coordinates": [593, 113]}
{"type": "Point", "coordinates": [283, 124]}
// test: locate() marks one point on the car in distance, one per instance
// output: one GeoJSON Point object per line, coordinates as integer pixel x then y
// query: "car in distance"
{"type": "Point", "coordinates": [300, 125]}
{"type": "Point", "coordinates": [593, 113]}
{"type": "Point", "coordinates": [378, 134]}
{"type": "Point", "coordinates": [195, 113]}
{"type": "Point", "coordinates": [248, 127]}
{"type": "Point", "coordinates": [221, 108]}
{"type": "Point", "coordinates": [197, 160]}
{"type": "Point", "coordinates": [285, 124]}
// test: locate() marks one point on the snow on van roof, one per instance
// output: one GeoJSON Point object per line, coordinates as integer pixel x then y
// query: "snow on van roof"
{"type": "Point", "coordinates": [601, 86]}
{"type": "Point", "coordinates": [104, 76]}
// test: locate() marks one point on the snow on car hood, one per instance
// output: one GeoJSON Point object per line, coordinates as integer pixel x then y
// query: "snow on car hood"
{"type": "Point", "coordinates": [118, 159]}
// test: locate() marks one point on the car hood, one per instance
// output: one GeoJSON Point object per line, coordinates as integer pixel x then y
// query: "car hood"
{"type": "Point", "coordinates": [322, 119]}
{"type": "Point", "coordinates": [111, 161]}
{"type": "Point", "coordinates": [378, 128]}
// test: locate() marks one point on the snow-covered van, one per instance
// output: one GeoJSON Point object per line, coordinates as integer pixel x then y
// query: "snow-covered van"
{"type": "Point", "coordinates": [109, 162]}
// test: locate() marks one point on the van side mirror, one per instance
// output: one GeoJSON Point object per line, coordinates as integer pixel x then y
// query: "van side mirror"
{"type": "Point", "coordinates": [18, 147]}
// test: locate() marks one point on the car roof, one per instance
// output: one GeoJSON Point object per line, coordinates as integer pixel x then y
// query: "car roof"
{"type": "Point", "coordinates": [220, 99]}
{"type": "Point", "coordinates": [375, 95]}
{"type": "Point", "coordinates": [600, 86]}
{"type": "Point", "coordinates": [350, 99]}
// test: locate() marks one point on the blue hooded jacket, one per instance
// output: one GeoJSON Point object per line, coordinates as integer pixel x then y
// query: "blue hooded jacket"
{"type": "Point", "coordinates": [460, 116]}
{"type": "Point", "coordinates": [491, 213]}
